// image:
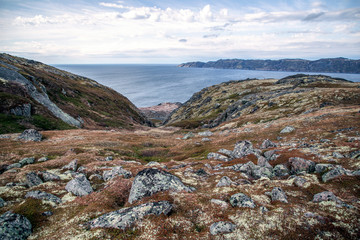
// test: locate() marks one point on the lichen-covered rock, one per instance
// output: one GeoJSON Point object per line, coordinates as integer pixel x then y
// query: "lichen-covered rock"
{"type": "Point", "coordinates": [205, 134]}
{"type": "Point", "coordinates": [287, 129]}
{"type": "Point", "coordinates": [43, 159]}
{"type": "Point", "coordinates": [299, 164]}
{"type": "Point", "coordinates": [299, 181]}
{"type": "Point", "coordinates": [14, 226]}
{"type": "Point", "coordinates": [263, 162]}
{"type": "Point", "coordinates": [109, 158]}
{"type": "Point", "coordinates": [152, 180]}
{"type": "Point", "coordinates": [30, 135]}
{"type": "Point", "coordinates": [26, 161]}
{"type": "Point", "coordinates": [226, 152]}
{"type": "Point", "coordinates": [267, 144]}
{"type": "Point", "coordinates": [2, 202]}
{"type": "Point", "coordinates": [325, 196]}
{"type": "Point", "coordinates": [337, 172]}
{"type": "Point", "coordinates": [116, 171]}
{"type": "Point", "coordinates": [337, 155]}
{"type": "Point", "coordinates": [222, 227]}
{"type": "Point", "coordinates": [281, 170]}
{"type": "Point", "coordinates": [244, 148]}
{"type": "Point", "coordinates": [225, 182]}
{"type": "Point", "coordinates": [323, 167]}
{"type": "Point", "coordinates": [218, 156]}
{"type": "Point", "coordinates": [260, 172]}
{"type": "Point", "coordinates": [241, 200]}
{"type": "Point", "coordinates": [248, 168]}
{"type": "Point", "coordinates": [32, 179]}
{"type": "Point", "coordinates": [47, 176]}
{"type": "Point", "coordinates": [277, 194]}
{"type": "Point", "coordinates": [271, 155]}
{"type": "Point", "coordinates": [43, 196]}
{"type": "Point", "coordinates": [126, 217]}
{"type": "Point", "coordinates": [71, 166]}
{"type": "Point", "coordinates": [14, 165]}
{"type": "Point", "coordinates": [79, 186]}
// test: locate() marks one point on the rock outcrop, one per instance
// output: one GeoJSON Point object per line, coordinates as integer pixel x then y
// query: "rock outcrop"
{"type": "Point", "coordinates": [14, 227]}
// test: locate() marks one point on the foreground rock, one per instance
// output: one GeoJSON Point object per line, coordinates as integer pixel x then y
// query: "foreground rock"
{"type": "Point", "coordinates": [30, 135]}
{"type": "Point", "coordinates": [151, 180]}
{"type": "Point", "coordinates": [244, 148]}
{"type": "Point", "coordinates": [43, 196]}
{"type": "Point", "coordinates": [222, 227]}
{"type": "Point", "coordinates": [73, 165]}
{"type": "Point", "coordinates": [79, 186]}
{"type": "Point", "coordinates": [126, 217]}
{"type": "Point", "coordinates": [299, 164]}
{"type": "Point", "coordinates": [32, 179]}
{"type": "Point", "coordinates": [325, 196]}
{"type": "Point", "coordinates": [116, 171]}
{"type": "Point", "coordinates": [241, 200]}
{"type": "Point", "coordinates": [337, 172]}
{"type": "Point", "coordinates": [14, 226]}
{"type": "Point", "coordinates": [277, 194]}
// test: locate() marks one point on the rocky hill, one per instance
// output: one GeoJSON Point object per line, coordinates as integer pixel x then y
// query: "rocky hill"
{"type": "Point", "coordinates": [160, 112]}
{"type": "Point", "coordinates": [266, 100]}
{"type": "Point", "coordinates": [35, 95]}
{"type": "Point", "coordinates": [337, 65]}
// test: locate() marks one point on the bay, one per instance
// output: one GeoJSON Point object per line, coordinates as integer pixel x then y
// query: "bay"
{"type": "Point", "coordinates": [148, 85]}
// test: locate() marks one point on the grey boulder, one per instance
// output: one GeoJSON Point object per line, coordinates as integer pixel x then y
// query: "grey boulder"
{"type": "Point", "coordinates": [32, 179]}
{"type": "Point", "coordinates": [287, 129]}
{"type": "Point", "coordinates": [241, 200]}
{"type": "Point", "coordinates": [30, 135]}
{"type": "Point", "coordinates": [79, 186]}
{"type": "Point", "coordinates": [14, 226]}
{"type": "Point", "coordinates": [71, 166]}
{"type": "Point", "coordinates": [267, 144]}
{"type": "Point", "coordinates": [43, 196]}
{"type": "Point", "coordinates": [325, 196]}
{"type": "Point", "coordinates": [337, 172]}
{"type": "Point", "coordinates": [116, 171]}
{"type": "Point", "coordinates": [277, 194]}
{"type": "Point", "coordinates": [323, 167]}
{"type": "Point", "coordinates": [222, 227]}
{"type": "Point", "coordinates": [299, 164]}
{"type": "Point", "coordinates": [126, 217]}
{"type": "Point", "coordinates": [218, 156]}
{"type": "Point", "coordinates": [244, 148]}
{"type": "Point", "coordinates": [47, 176]}
{"type": "Point", "coordinates": [152, 180]}
{"type": "Point", "coordinates": [26, 161]}
{"type": "Point", "coordinates": [225, 182]}
{"type": "Point", "coordinates": [280, 170]}
{"type": "Point", "coordinates": [2, 202]}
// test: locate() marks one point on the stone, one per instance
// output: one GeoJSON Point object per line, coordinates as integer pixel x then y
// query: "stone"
{"type": "Point", "coordinates": [287, 129]}
{"type": "Point", "coordinates": [325, 196]}
{"type": "Point", "coordinates": [47, 213]}
{"type": "Point", "coordinates": [22, 110]}
{"type": "Point", "coordinates": [201, 172]}
{"type": "Point", "coordinates": [222, 227]}
{"type": "Point", "coordinates": [323, 167]}
{"type": "Point", "coordinates": [153, 164]}
{"type": "Point", "coordinates": [126, 217]}
{"type": "Point", "coordinates": [14, 165]}
{"type": "Point", "coordinates": [109, 158]}
{"type": "Point", "coordinates": [205, 134]}
{"type": "Point", "coordinates": [32, 179]}
{"type": "Point", "coordinates": [71, 166]}
{"type": "Point", "coordinates": [263, 209]}
{"type": "Point", "coordinates": [43, 159]}
{"type": "Point", "coordinates": [206, 140]}
{"type": "Point", "coordinates": [151, 180]}
{"type": "Point", "coordinates": [116, 171]}
{"type": "Point", "coordinates": [47, 176]}
{"type": "Point", "coordinates": [30, 135]}
{"type": "Point", "coordinates": [267, 144]}
{"type": "Point", "coordinates": [14, 226]}
{"type": "Point", "coordinates": [43, 196]}
{"type": "Point", "coordinates": [354, 154]}
{"type": "Point", "coordinates": [244, 148]}
{"type": "Point", "coordinates": [26, 161]}
{"type": "Point", "coordinates": [2, 203]}
{"type": "Point", "coordinates": [79, 186]}
{"type": "Point", "coordinates": [299, 181]}
{"type": "Point", "coordinates": [241, 200]}
{"type": "Point", "coordinates": [281, 170]}
{"type": "Point", "coordinates": [356, 173]}
{"type": "Point", "coordinates": [188, 136]}
{"type": "Point", "coordinates": [271, 155]}
{"type": "Point", "coordinates": [337, 172]}
{"type": "Point", "coordinates": [95, 177]}
{"type": "Point", "coordinates": [299, 164]}
{"type": "Point", "coordinates": [81, 169]}
{"type": "Point", "coordinates": [263, 162]}
{"type": "Point", "coordinates": [220, 203]}
{"type": "Point", "coordinates": [226, 152]}
{"type": "Point", "coordinates": [218, 156]}
{"type": "Point", "coordinates": [277, 194]}
{"type": "Point", "coordinates": [260, 172]}
{"type": "Point", "coordinates": [337, 155]}
{"type": "Point", "coordinates": [247, 168]}
{"type": "Point", "coordinates": [225, 182]}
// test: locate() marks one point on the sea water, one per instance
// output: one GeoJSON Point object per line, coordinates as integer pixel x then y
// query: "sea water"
{"type": "Point", "coordinates": [148, 85]}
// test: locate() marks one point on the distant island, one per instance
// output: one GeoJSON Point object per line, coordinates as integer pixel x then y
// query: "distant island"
{"type": "Point", "coordinates": [333, 65]}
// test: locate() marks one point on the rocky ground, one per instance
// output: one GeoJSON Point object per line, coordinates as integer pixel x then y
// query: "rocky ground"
{"type": "Point", "coordinates": [293, 177]}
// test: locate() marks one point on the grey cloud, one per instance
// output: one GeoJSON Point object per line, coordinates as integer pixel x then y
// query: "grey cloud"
{"type": "Point", "coordinates": [211, 36]}
{"type": "Point", "coordinates": [313, 16]}
{"type": "Point", "coordinates": [183, 40]}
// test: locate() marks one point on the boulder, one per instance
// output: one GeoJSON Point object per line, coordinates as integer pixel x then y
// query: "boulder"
{"type": "Point", "coordinates": [337, 172]}
{"type": "Point", "coordinates": [201, 172]}
{"type": "Point", "coordinates": [2, 202]}
{"type": "Point", "coordinates": [205, 134]}
{"type": "Point", "coordinates": [241, 200]}
{"type": "Point", "coordinates": [71, 166]}
{"type": "Point", "coordinates": [277, 194]}
{"type": "Point", "coordinates": [267, 144]}
{"type": "Point", "coordinates": [26, 161]}
{"type": "Point", "coordinates": [109, 158]}
{"type": "Point", "coordinates": [116, 171]}
{"type": "Point", "coordinates": [287, 129]}
{"type": "Point", "coordinates": [79, 186]}
{"type": "Point", "coordinates": [47, 176]}
{"type": "Point", "coordinates": [30, 135]}
{"type": "Point", "coordinates": [14, 165]}
{"type": "Point", "coordinates": [247, 168]}
{"type": "Point", "coordinates": [323, 167]}
{"type": "Point", "coordinates": [206, 140]}
{"type": "Point", "coordinates": [222, 227]}
{"type": "Point", "coordinates": [225, 182]}
{"type": "Point", "coordinates": [43, 196]}
{"type": "Point", "coordinates": [281, 170]}
{"type": "Point", "coordinates": [337, 155]}
{"type": "Point", "coordinates": [218, 156]}
{"type": "Point", "coordinates": [126, 217]}
{"type": "Point", "coordinates": [32, 179]}
{"type": "Point", "coordinates": [299, 164]}
{"type": "Point", "coordinates": [43, 159]}
{"type": "Point", "coordinates": [263, 162]}
{"type": "Point", "coordinates": [263, 209]}
{"type": "Point", "coordinates": [244, 148]}
{"type": "Point", "coordinates": [226, 152]}
{"type": "Point", "coordinates": [151, 180]}
{"type": "Point", "coordinates": [299, 181]}
{"type": "Point", "coordinates": [325, 196]}
{"type": "Point", "coordinates": [260, 172]}
{"type": "Point", "coordinates": [271, 155]}
{"type": "Point", "coordinates": [188, 136]}
{"type": "Point", "coordinates": [14, 227]}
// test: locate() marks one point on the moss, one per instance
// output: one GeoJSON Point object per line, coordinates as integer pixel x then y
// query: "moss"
{"type": "Point", "coordinates": [32, 209]}
{"type": "Point", "coordinates": [45, 123]}
{"type": "Point", "coordinates": [10, 124]}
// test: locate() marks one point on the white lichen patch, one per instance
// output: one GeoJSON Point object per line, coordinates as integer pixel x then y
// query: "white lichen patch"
{"type": "Point", "coordinates": [12, 191]}
{"type": "Point", "coordinates": [261, 199]}
{"type": "Point", "coordinates": [68, 198]}
{"type": "Point", "coordinates": [222, 189]}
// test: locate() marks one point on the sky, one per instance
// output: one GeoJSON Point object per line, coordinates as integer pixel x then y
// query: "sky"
{"type": "Point", "coordinates": [159, 31]}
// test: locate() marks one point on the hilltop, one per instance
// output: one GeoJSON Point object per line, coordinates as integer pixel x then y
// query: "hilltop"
{"type": "Point", "coordinates": [335, 65]}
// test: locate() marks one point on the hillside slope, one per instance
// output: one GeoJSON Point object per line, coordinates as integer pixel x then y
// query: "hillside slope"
{"type": "Point", "coordinates": [36, 95]}
{"type": "Point", "coordinates": [267, 99]}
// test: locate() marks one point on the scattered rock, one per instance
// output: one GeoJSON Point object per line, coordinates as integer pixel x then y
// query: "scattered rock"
{"type": "Point", "coordinates": [2, 202]}
{"type": "Point", "coordinates": [299, 181]}
{"type": "Point", "coordinates": [323, 167]}
{"type": "Point", "coordinates": [47, 213]}
{"type": "Point", "coordinates": [244, 148]}
{"type": "Point", "coordinates": [116, 171]}
{"type": "Point", "coordinates": [43, 196]}
{"type": "Point", "coordinates": [188, 136]}
{"type": "Point", "coordinates": [219, 202]}
{"type": "Point", "coordinates": [277, 194]}
{"type": "Point", "coordinates": [205, 134]}
{"type": "Point", "coordinates": [26, 161]}
{"type": "Point", "coordinates": [152, 180]}
{"type": "Point", "coordinates": [299, 164]}
{"type": "Point", "coordinates": [271, 155]}
{"type": "Point", "coordinates": [263, 209]}
{"type": "Point", "coordinates": [225, 182]}
{"type": "Point", "coordinates": [32, 179]}
{"type": "Point", "coordinates": [287, 129]}
{"type": "Point", "coordinates": [263, 162]}
{"type": "Point", "coordinates": [206, 140]}
{"type": "Point", "coordinates": [226, 152]}
{"type": "Point", "coordinates": [14, 165]}
{"type": "Point", "coordinates": [71, 166]}
{"type": "Point", "coordinates": [337, 172]}
{"type": "Point", "coordinates": [354, 154]}
{"type": "Point", "coordinates": [22, 110]}
{"type": "Point", "coordinates": [267, 144]}
{"type": "Point", "coordinates": [126, 217]}
{"type": "Point", "coordinates": [47, 176]}
{"type": "Point", "coordinates": [95, 177]}
{"type": "Point", "coordinates": [79, 186]}
{"type": "Point", "coordinates": [241, 200]}
{"type": "Point", "coordinates": [43, 159]}
{"type": "Point", "coordinates": [201, 172]}
{"type": "Point", "coordinates": [30, 135]}
{"type": "Point", "coordinates": [218, 156]}
{"type": "Point", "coordinates": [281, 170]}
{"type": "Point", "coordinates": [325, 196]}
{"type": "Point", "coordinates": [14, 226]}
{"type": "Point", "coordinates": [109, 158]}
{"type": "Point", "coordinates": [222, 227]}
{"type": "Point", "coordinates": [337, 155]}
{"type": "Point", "coordinates": [260, 172]}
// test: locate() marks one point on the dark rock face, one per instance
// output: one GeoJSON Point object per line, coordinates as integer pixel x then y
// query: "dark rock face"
{"type": "Point", "coordinates": [152, 180]}
{"type": "Point", "coordinates": [79, 186]}
{"type": "Point", "coordinates": [43, 196]}
{"type": "Point", "coordinates": [31, 135]}
{"type": "Point", "coordinates": [277, 194]}
{"type": "Point", "coordinates": [299, 164]}
{"type": "Point", "coordinates": [126, 217]}
{"type": "Point", "coordinates": [222, 227]}
{"type": "Point", "coordinates": [116, 171]}
{"type": "Point", "coordinates": [32, 179]}
{"type": "Point", "coordinates": [241, 200]}
{"type": "Point", "coordinates": [14, 226]}
{"type": "Point", "coordinates": [22, 110]}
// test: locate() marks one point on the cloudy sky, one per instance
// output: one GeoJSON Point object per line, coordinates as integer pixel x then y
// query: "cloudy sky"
{"type": "Point", "coordinates": [159, 31]}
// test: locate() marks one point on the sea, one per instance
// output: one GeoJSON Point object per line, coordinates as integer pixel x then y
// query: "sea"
{"type": "Point", "coordinates": [148, 85]}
